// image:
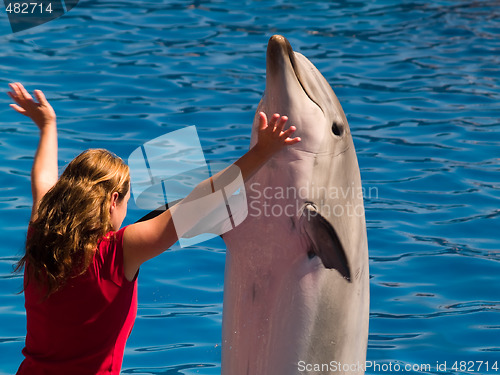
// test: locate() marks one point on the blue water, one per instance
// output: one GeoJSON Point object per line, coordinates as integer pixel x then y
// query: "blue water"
{"type": "Point", "coordinates": [420, 84]}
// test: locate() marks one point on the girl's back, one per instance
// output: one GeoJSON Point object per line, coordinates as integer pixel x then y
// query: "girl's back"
{"type": "Point", "coordinates": [82, 328]}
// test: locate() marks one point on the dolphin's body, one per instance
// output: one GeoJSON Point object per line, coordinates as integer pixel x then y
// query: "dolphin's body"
{"type": "Point", "coordinates": [296, 290]}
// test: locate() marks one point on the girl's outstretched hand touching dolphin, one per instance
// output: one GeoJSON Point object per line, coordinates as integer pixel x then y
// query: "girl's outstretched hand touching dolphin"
{"type": "Point", "coordinates": [271, 136]}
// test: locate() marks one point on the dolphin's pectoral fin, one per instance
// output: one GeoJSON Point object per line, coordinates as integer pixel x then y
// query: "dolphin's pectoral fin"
{"type": "Point", "coordinates": [325, 241]}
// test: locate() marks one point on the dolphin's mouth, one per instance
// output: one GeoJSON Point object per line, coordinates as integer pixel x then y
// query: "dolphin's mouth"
{"type": "Point", "coordinates": [278, 49]}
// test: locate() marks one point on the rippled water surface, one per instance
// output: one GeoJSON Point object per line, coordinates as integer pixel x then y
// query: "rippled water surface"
{"type": "Point", "coordinates": [419, 82]}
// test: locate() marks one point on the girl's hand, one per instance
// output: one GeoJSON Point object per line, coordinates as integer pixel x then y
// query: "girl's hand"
{"type": "Point", "coordinates": [271, 136]}
{"type": "Point", "coordinates": [41, 113]}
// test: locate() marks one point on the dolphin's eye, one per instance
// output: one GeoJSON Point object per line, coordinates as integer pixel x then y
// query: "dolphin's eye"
{"type": "Point", "coordinates": [337, 128]}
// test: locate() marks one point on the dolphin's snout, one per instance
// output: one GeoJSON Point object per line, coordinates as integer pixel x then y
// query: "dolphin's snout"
{"type": "Point", "coordinates": [279, 50]}
{"type": "Point", "coordinates": [296, 88]}
{"type": "Point", "coordinates": [278, 40]}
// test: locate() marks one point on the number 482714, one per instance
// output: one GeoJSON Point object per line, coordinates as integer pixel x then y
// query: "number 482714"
{"type": "Point", "coordinates": [475, 366]}
{"type": "Point", "coordinates": [28, 8]}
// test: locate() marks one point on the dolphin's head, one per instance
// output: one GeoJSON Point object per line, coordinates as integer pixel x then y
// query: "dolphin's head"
{"type": "Point", "coordinates": [295, 88]}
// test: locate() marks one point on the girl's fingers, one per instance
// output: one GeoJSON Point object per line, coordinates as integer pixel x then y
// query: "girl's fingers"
{"type": "Point", "coordinates": [18, 95]}
{"type": "Point", "coordinates": [288, 132]}
{"type": "Point", "coordinates": [262, 121]}
{"type": "Point", "coordinates": [41, 97]}
{"type": "Point", "coordinates": [292, 141]}
{"type": "Point", "coordinates": [13, 86]}
{"type": "Point", "coordinates": [25, 94]}
{"type": "Point", "coordinates": [286, 136]}
{"type": "Point", "coordinates": [20, 92]}
{"type": "Point", "coordinates": [17, 91]}
{"type": "Point", "coordinates": [15, 94]}
{"type": "Point", "coordinates": [275, 127]}
{"type": "Point", "coordinates": [273, 121]}
{"type": "Point", "coordinates": [15, 98]}
{"type": "Point", "coordinates": [18, 109]}
{"type": "Point", "coordinates": [12, 96]}
{"type": "Point", "coordinates": [281, 124]}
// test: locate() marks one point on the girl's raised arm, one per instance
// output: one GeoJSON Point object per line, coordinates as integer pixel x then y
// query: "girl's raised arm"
{"type": "Point", "coordinates": [147, 239]}
{"type": "Point", "coordinates": [44, 171]}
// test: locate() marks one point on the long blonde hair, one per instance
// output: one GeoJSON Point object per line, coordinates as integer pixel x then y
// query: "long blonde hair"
{"type": "Point", "coordinates": [72, 217]}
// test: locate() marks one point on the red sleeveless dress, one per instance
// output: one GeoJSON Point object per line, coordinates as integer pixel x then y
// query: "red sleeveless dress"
{"type": "Point", "coordinates": [82, 328]}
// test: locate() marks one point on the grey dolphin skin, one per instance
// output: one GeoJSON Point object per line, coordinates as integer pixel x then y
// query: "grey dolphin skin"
{"type": "Point", "coordinates": [296, 289]}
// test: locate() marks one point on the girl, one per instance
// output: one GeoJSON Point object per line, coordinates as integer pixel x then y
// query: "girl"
{"type": "Point", "coordinates": [80, 268]}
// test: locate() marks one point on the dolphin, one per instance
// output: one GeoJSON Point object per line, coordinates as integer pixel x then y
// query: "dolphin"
{"type": "Point", "coordinates": [296, 282]}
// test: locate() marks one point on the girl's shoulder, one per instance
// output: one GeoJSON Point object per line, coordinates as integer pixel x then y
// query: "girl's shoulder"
{"type": "Point", "coordinates": [108, 258]}
{"type": "Point", "coordinates": [112, 238]}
